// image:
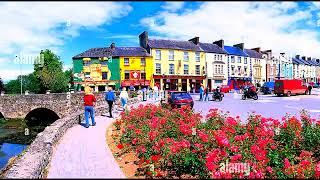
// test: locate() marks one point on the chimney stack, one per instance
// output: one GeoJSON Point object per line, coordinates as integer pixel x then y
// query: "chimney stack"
{"type": "Point", "coordinates": [258, 49]}
{"type": "Point", "coordinates": [282, 54]}
{"type": "Point", "coordinates": [220, 43]}
{"type": "Point", "coordinates": [298, 56]}
{"type": "Point", "coordinates": [143, 39]}
{"type": "Point", "coordinates": [194, 40]}
{"type": "Point", "coordinates": [318, 61]}
{"type": "Point", "coordinates": [309, 58]}
{"type": "Point", "coordinates": [303, 57]}
{"type": "Point", "coordinates": [112, 46]}
{"type": "Point", "coordinates": [240, 45]}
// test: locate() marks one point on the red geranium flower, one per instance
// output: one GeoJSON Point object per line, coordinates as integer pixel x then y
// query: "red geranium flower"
{"type": "Point", "coordinates": [120, 146]}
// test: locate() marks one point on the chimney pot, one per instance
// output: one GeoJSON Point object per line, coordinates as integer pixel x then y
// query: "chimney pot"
{"type": "Point", "coordinates": [220, 43]}
{"type": "Point", "coordinates": [258, 49]}
{"type": "Point", "coordinates": [194, 40]}
{"type": "Point", "coordinates": [143, 39]}
{"type": "Point", "coordinates": [240, 45]}
{"type": "Point", "coordinates": [303, 57]}
{"type": "Point", "coordinates": [298, 56]}
{"type": "Point", "coordinates": [113, 45]}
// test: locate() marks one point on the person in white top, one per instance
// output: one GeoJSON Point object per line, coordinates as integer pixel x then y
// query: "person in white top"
{"type": "Point", "coordinates": [124, 98]}
{"type": "Point", "coordinates": [156, 90]}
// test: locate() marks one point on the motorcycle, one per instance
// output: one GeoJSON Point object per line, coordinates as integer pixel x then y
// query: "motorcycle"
{"type": "Point", "coordinates": [217, 96]}
{"type": "Point", "coordinates": [251, 94]}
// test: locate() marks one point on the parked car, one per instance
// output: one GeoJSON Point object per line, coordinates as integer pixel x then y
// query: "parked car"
{"type": "Point", "coordinates": [177, 99]}
{"type": "Point", "coordinates": [268, 87]}
{"type": "Point", "coordinates": [225, 89]}
{"type": "Point", "coordinates": [289, 87]}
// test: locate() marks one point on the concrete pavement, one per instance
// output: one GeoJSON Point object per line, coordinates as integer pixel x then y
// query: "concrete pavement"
{"type": "Point", "coordinates": [84, 153]}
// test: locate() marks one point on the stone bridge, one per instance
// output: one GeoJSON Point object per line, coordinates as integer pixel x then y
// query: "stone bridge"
{"type": "Point", "coordinates": [55, 104]}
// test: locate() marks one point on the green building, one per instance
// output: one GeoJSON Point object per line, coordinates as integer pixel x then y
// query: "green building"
{"type": "Point", "coordinates": [96, 68]}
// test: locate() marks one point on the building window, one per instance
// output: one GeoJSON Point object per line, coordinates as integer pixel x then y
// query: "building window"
{"type": "Point", "coordinates": [86, 63]}
{"type": "Point", "coordinates": [239, 59]}
{"type": "Point", "coordinates": [221, 69]}
{"type": "Point", "coordinates": [245, 71]}
{"type": "Point", "coordinates": [158, 55]}
{"type": "Point", "coordinates": [87, 74]}
{"type": "Point", "coordinates": [158, 68]}
{"type": "Point", "coordinates": [171, 55]}
{"type": "Point", "coordinates": [232, 69]}
{"type": "Point", "coordinates": [143, 62]}
{"type": "Point", "coordinates": [104, 75]}
{"type": "Point", "coordinates": [197, 56]}
{"type": "Point", "coordinates": [186, 69]}
{"type": "Point", "coordinates": [215, 57]}
{"type": "Point", "coordinates": [221, 57]}
{"type": "Point", "coordinates": [143, 75]}
{"type": "Point", "coordinates": [104, 62]}
{"type": "Point", "coordinates": [171, 68]}
{"type": "Point", "coordinates": [197, 69]}
{"type": "Point", "coordinates": [126, 75]}
{"type": "Point", "coordinates": [245, 60]}
{"type": "Point", "coordinates": [185, 56]}
{"type": "Point", "coordinates": [216, 69]}
{"type": "Point", "coordinates": [126, 61]}
{"type": "Point", "coordinates": [239, 70]}
{"type": "Point", "coordinates": [232, 59]}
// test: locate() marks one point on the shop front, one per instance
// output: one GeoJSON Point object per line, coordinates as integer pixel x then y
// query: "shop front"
{"type": "Point", "coordinates": [137, 84]}
{"type": "Point", "coordinates": [237, 82]}
{"type": "Point", "coordinates": [179, 83]}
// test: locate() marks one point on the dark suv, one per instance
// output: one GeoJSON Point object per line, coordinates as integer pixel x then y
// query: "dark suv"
{"type": "Point", "coordinates": [177, 99]}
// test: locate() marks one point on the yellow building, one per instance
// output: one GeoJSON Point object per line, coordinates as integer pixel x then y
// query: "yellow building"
{"type": "Point", "coordinates": [177, 65]}
{"type": "Point", "coordinates": [136, 66]}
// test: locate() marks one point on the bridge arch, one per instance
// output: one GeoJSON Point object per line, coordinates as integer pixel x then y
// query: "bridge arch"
{"type": "Point", "coordinates": [1, 116]}
{"type": "Point", "coordinates": [41, 117]}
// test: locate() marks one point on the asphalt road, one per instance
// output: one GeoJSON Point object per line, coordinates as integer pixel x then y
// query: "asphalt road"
{"type": "Point", "coordinates": [266, 105]}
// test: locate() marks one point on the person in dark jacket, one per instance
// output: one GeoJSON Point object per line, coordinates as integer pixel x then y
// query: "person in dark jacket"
{"type": "Point", "coordinates": [110, 98]}
{"type": "Point", "coordinates": [89, 100]}
{"type": "Point", "coordinates": [309, 89]}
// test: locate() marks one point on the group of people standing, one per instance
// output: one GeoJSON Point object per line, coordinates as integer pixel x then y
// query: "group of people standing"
{"type": "Point", "coordinates": [204, 93]}
{"type": "Point", "coordinates": [90, 99]}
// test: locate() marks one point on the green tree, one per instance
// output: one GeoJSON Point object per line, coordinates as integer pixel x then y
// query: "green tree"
{"type": "Point", "coordinates": [13, 87]}
{"type": "Point", "coordinates": [33, 84]}
{"type": "Point", "coordinates": [1, 85]}
{"type": "Point", "coordinates": [50, 72]}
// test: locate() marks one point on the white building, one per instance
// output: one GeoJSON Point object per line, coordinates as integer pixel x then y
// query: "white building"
{"type": "Point", "coordinates": [216, 63]}
{"type": "Point", "coordinates": [258, 65]}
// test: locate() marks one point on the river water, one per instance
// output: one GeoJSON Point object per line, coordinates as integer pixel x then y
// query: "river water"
{"type": "Point", "coordinates": [13, 140]}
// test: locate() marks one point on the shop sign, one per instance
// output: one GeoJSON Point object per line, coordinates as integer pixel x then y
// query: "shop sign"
{"type": "Point", "coordinates": [134, 74]}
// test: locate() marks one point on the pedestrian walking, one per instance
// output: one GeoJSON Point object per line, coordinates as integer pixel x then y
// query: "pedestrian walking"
{"type": "Point", "coordinates": [110, 98]}
{"type": "Point", "coordinates": [124, 98]}
{"type": "Point", "coordinates": [206, 94]}
{"type": "Point", "coordinates": [89, 100]}
{"type": "Point", "coordinates": [309, 89]}
{"type": "Point", "coordinates": [156, 91]}
{"type": "Point", "coordinates": [201, 92]}
{"type": "Point", "coordinates": [150, 93]}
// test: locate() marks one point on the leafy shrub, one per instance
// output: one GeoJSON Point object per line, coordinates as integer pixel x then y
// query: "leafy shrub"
{"type": "Point", "coordinates": [175, 143]}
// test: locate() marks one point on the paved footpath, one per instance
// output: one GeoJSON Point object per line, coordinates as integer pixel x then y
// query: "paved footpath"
{"type": "Point", "coordinates": [84, 153]}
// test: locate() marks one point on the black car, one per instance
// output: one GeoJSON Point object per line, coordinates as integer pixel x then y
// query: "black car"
{"type": "Point", "coordinates": [177, 99]}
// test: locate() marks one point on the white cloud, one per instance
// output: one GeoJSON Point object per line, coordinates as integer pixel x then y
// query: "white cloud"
{"type": "Point", "coordinates": [7, 74]}
{"type": "Point", "coordinates": [267, 25]}
{"type": "Point", "coordinates": [39, 25]}
{"type": "Point", "coordinates": [173, 6]}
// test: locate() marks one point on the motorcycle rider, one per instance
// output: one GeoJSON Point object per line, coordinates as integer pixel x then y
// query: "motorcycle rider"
{"type": "Point", "coordinates": [217, 91]}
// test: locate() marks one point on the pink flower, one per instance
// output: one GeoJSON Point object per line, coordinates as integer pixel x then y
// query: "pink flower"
{"type": "Point", "coordinates": [185, 143]}
{"type": "Point", "coordinates": [134, 141]}
{"type": "Point", "coordinates": [234, 148]}
{"type": "Point", "coordinates": [304, 163]}
{"type": "Point", "coordinates": [203, 136]}
{"type": "Point", "coordinates": [286, 163]}
{"type": "Point", "coordinates": [235, 157]}
{"type": "Point", "coordinates": [269, 169]}
{"type": "Point", "coordinates": [152, 135]}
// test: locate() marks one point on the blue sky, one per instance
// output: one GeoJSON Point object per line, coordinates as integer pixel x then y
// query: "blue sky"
{"type": "Point", "coordinates": [69, 28]}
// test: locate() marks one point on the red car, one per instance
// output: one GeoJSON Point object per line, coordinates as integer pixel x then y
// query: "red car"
{"type": "Point", "coordinates": [289, 86]}
{"type": "Point", "coordinates": [225, 89]}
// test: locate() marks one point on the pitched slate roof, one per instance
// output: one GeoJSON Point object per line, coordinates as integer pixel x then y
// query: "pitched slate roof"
{"type": "Point", "coordinates": [212, 48]}
{"type": "Point", "coordinates": [296, 61]}
{"type": "Point", "coordinates": [315, 62]}
{"type": "Point", "coordinates": [173, 44]}
{"type": "Point", "coordinates": [118, 51]}
{"type": "Point", "coordinates": [95, 53]}
{"type": "Point", "coordinates": [304, 61]}
{"type": "Point", "coordinates": [231, 50]}
{"type": "Point", "coordinates": [253, 53]}
{"type": "Point", "coordinates": [130, 51]}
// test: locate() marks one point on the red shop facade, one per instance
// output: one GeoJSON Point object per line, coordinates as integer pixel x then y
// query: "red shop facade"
{"type": "Point", "coordinates": [171, 82]}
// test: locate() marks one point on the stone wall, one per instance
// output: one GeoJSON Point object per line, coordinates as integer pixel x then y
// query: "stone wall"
{"type": "Point", "coordinates": [37, 156]}
{"type": "Point", "coordinates": [63, 104]}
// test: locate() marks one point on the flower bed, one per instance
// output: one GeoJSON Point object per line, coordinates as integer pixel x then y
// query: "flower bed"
{"type": "Point", "coordinates": [176, 144]}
